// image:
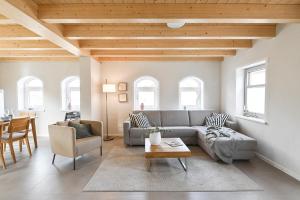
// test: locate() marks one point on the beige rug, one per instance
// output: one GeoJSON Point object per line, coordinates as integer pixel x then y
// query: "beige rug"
{"type": "Point", "coordinates": [124, 170]}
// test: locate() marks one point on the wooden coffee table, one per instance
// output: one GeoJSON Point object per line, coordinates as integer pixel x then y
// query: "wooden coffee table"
{"type": "Point", "coordinates": [166, 151]}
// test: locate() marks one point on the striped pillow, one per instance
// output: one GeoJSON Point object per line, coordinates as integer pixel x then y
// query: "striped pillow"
{"type": "Point", "coordinates": [217, 120]}
{"type": "Point", "coordinates": [140, 120]}
{"type": "Point", "coordinates": [132, 120]}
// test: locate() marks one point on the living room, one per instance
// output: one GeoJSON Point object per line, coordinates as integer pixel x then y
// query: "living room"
{"type": "Point", "coordinates": [218, 80]}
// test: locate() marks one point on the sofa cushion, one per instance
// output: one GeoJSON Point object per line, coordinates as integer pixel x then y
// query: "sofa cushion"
{"type": "Point", "coordinates": [138, 132]}
{"type": "Point", "coordinates": [153, 116]}
{"type": "Point", "coordinates": [197, 117]}
{"type": "Point", "coordinates": [179, 131]}
{"type": "Point", "coordinates": [175, 118]}
{"type": "Point", "coordinates": [171, 131]}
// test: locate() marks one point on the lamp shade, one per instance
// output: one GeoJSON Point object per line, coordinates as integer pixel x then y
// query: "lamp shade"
{"type": "Point", "coordinates": [108, 88]}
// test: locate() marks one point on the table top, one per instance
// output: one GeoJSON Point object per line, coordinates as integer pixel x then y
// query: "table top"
{"type": "Point", "coordinates": [164, 150]}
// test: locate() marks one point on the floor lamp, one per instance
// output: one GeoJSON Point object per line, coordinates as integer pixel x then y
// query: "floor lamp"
{"type": "Point", "coordinates": [107, 88]}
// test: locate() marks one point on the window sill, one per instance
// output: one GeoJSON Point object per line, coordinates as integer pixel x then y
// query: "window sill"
{"type": "Point", "coordinates": [253, 119]}
{"type": "Point", "coordinates": [32, 110]}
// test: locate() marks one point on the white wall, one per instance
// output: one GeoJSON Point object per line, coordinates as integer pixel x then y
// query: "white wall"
{"type": "Point", "coordinates": [279, 140]}
{"type": "Point", "coordinates": [51, 73]}
{"type": "Point", "coordinates": [168, 74]}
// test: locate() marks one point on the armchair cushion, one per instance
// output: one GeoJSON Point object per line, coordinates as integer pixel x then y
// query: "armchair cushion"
{"type": "Point", "coordinates": [82, 130]}
{"type": "Point", "coordinates": [87, 144]}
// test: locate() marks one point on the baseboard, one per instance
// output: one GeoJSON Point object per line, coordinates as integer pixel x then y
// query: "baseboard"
{"type": "Point", "coordinates": [116, 134]}
{"type": "Point", "coordinates": [278, 166]}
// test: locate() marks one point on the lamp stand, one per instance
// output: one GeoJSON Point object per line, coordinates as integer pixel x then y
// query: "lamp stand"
{"type": "Point", "coordinates": [107, 137]}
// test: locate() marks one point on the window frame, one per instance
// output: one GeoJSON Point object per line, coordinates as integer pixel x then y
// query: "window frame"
{"type": "Point", "coordinates": [199, 90]}
{"type": "Point", "coordinates": [155, 89]}
{"type": "Point", "coordinates": [247, 72]}
{"type": "Point", "coordinates": [66, 91]}
{"type": "Point", "coordinates": [24, 94]}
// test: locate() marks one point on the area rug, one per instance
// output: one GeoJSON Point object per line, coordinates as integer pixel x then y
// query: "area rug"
{"type": "Point", "coordinates": [124, 169]}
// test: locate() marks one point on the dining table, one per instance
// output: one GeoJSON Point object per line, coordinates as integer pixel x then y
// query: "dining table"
{"type": "Point", "coordinates": [32, 124]}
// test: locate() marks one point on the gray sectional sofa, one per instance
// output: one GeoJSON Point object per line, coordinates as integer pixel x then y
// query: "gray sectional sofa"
{"type": "Point", "coordinates": [190, 127]}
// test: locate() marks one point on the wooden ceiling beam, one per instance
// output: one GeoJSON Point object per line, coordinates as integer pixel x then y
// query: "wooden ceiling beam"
{"type": "Point", "coordinates": [41, 59]}
{"type": "Point", "coordinates": [164, 44]}
{"type": "Point", "coordinates": [5, 21]}
{"type": "Point", "coordinates": [27, 45]}
{"type": "Point", "coordinates": [161, 31]}
{"type": "Point", "coordinates": [163, 13]}
{"type": "Point", "coordinates": [24, 12]}
{"type": "Point", "coordinates": [163, 53]}
{"type": "Point", "coordinates": [35, 54]}
{"type": "Point", "coordinates": [17, 32]}
{"type": "Point", "coordinates": [216, 59]}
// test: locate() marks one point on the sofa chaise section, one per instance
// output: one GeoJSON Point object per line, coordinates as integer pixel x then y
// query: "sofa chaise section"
{"type": "Point", "coordinates": [245, 146]}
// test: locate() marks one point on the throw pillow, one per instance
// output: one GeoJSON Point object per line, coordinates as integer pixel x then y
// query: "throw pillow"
{"type": "Point", "coordinates": [217, 120]}
{"type": "Point", "coordinates": [132, 120]}
{"type": "Point", "coordinates": [210, 121]}
{"type": "Point", "coordinates": [141, 120]}
{"type": "Point", "coordinates": [82, 130]}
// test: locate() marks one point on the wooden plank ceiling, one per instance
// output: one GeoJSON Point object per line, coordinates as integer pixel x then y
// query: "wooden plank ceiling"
{"type": "Point", "coordinates": [136, 30]}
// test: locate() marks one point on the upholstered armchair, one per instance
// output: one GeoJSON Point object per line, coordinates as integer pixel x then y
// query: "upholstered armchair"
{"type": "Point", "coordinates": [63, 140]}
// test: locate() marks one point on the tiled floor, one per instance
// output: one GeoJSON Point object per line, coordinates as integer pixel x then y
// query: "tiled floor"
{"type": "Point", "coordinates": [36, 178]}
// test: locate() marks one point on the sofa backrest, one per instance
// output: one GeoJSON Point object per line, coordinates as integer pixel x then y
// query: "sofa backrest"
{"type": "Point", "coordinates": [152, 115]}
{"type": "Point", "coordinates": [197, 117]}
{"type": "Point", "coordinates": [174, 118]}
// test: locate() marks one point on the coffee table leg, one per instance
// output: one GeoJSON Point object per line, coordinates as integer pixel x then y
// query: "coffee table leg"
{"type": "Point", "coordinates": [184, 165]}
{"type": "Point", "coordinates": [148, 164]}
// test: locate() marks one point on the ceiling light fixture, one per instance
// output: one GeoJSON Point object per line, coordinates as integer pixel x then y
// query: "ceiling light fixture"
{"type": "Point", "coordinates": [175, 25]}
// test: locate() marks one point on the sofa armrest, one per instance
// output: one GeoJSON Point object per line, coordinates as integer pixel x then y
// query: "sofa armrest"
{"type": "Point", "coordinates": [62, 140]}
{"type": "Point", "coordinates": [231, 124]}
{"type": "Point", "coordinates": [126, 128]}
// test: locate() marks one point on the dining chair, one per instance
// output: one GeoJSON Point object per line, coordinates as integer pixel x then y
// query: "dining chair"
{"type": "Point", "coordinates": [26, 114]}
{"type": "Point", "coordinates": [2, 147]}
{"type": "Point", "coordinates": [17, 131]}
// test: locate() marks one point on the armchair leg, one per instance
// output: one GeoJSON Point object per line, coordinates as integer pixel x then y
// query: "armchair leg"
{"type": "Point", "coordinates": [53, 158]}
{"type": "Point", "coordinates": [74, 159]}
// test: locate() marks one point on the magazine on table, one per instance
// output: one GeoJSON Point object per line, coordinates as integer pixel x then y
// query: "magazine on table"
{"type": "Point", "coordinates": [174, 143]}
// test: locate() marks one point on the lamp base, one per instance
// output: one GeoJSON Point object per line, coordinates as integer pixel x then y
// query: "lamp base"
{"type": "Point", "coordinates": [108, 138]}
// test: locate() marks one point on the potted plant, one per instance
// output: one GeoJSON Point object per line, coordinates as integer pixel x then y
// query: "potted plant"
{"type": "Point", "coordinates": [155, 134]}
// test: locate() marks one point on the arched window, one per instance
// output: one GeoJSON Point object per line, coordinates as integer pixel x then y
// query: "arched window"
{"type": "Point", "coordinates": [191, 93]}
{"type": "Point", "coordinates": [70, 93]}
{"type": "Point", "coordinates": [146, 91]}
{"type": "Point", "coordinates": [30, 94]}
